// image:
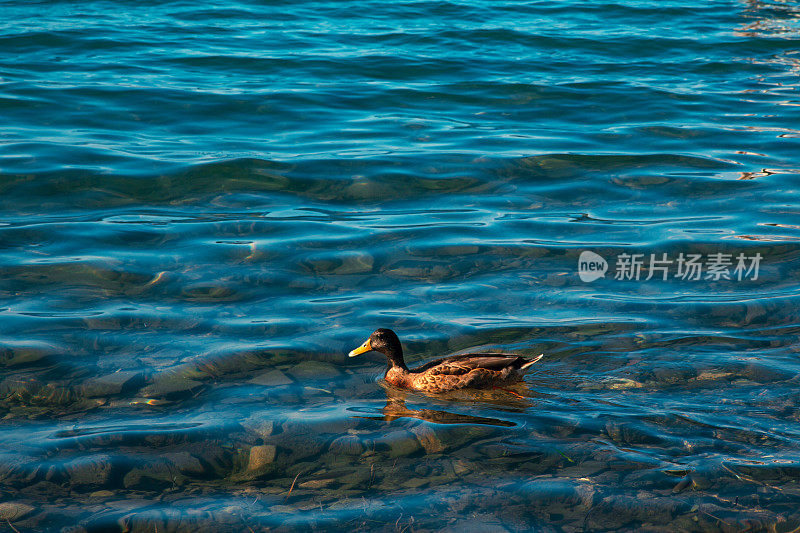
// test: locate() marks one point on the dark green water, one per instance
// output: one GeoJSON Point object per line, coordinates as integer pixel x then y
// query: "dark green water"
{"type": "Point", "coordinates": [204, 208]}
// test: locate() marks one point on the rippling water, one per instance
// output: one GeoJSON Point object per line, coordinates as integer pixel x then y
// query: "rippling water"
{"type": "Point", "coordinates": [203, 209]}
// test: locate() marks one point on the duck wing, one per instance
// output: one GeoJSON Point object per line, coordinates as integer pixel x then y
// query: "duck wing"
{"type": "Point", "coordinates": [463, 364]}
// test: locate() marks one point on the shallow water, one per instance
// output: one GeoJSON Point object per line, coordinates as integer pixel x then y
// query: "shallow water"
{"type": "Point", "coordinates": [203, 209]}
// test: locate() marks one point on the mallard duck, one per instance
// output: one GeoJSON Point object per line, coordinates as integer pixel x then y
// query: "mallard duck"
{"type": "Point", "coordinates": [474, 370]}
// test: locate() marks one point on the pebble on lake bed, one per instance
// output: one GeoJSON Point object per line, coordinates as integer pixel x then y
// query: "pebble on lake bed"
{"type": "Point", "coordinates": [11, 511]}
{"type": "Point", "coordinates": [185, 462]}
{"type": "Point", "coordinates": [111, 384]}
{"type": "Point", "coordinates": [346, 445]}
{"type": "Point", "coordinates": [170, 386]}
{"type": "Point", "coordinates": [259, 427]}
{"type": "Point", "coordinates": [261, 456]}
{"type": "Point", "coordinates": [428, 439]}
{"type": "Point", "coordinates": [90, 471]}
{"type": "Point", "coordinates": [398, 444]}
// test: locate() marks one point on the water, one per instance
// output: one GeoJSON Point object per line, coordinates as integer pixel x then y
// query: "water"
{"type": "Point", "coordinates": [203, 209]}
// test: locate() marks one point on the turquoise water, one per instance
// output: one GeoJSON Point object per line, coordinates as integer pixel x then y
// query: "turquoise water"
{"type": "Point", "coordinates": [203, 209]}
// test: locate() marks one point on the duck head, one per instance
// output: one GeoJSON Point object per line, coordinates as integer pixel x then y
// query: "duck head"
{"type": "Point", "coordinates": [386, 342]}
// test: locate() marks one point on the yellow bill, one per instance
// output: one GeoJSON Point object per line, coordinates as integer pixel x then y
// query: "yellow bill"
{"type": "Point", "coordinates": [366, 347]}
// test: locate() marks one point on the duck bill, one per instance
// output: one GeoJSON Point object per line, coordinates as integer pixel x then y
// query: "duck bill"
{"type": "Point", "coordinates": [366, 347]}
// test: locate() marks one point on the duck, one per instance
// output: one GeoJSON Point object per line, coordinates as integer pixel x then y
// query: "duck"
{"type": "Point", "coordinates": [471, 370]}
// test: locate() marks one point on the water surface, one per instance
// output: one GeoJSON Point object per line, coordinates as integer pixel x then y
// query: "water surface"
{"type": "Point", "coordinates": [204, 208]}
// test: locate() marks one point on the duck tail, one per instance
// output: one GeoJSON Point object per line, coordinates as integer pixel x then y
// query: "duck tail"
{"type": "Point", "coordinates": [530, 363]}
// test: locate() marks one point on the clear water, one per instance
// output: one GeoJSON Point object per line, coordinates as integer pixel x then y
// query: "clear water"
{"type": "Point", "coordinates": [204, 208]}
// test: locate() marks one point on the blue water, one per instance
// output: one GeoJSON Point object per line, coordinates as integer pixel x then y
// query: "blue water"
{"type": "Point", "coordinates": [204, 208]}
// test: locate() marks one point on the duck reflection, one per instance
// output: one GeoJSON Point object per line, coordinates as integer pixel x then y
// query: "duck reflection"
{"type": "Point", "coordinates": [514, 398]}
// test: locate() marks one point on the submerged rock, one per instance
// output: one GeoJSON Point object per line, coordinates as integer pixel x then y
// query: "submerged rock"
{"type": "Point", "coordinates": [11, 511]}
{"type": "Point", "coordinates": [185, 462]}
{"type": "Point", "coordinates": [356, 478]}
{"type": "Point", "coordinates": [261, 456]}
{"type": "Point", "coordinates": [273, 378]}
{"type": "Point", "coordinates": [456, 436]}
{"type": "Point", "coordinates": [617, 510]}
{"type": "Point", "coordinates": [674, 374]}
{"type": "Point", "coordinates": [399, 444]}
{"type": "Point", "coordinates": [355, 264]}
{"type": "Point", "coordinates": [415, 483]}
{"type": "Point", "coordinates": [620, 383]}
{"type": "Point", "coordinates": [14, 353]}
{"type": "Point", "coordinates": [262, 427]}
{"type": "Point", "coordinates": [111, 384]}
{"type": "Point", "coordinates": [171, 387]}
{"type": "Point", "coordinates": [156, 476]}
{"type": "Point", "coordinates": [94, 471]}
{"type": "Point", "coordinates": [428, 438]}
{"type": "Point", "coordinates": [299, 446]}
{"type": "Point", "coordinates": [346, 445]}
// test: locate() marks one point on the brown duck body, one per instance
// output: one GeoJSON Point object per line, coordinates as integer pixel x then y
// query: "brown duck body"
{"type": "Point", "coordinates": [474, 370]}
